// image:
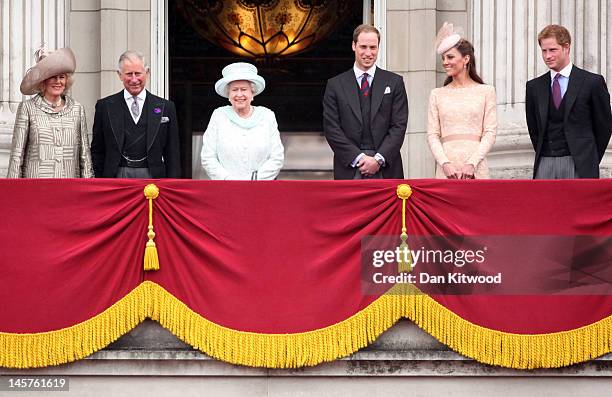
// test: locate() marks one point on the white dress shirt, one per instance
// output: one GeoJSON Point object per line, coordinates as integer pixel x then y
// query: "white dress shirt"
{"type": "Point", "coordinates": [358, 73]}
{"type": "Point", "coordinates": [563, 79]}
{"type": "Point", "coordinates": [141, 100]}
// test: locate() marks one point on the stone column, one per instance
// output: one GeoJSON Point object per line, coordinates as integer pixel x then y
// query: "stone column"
{"type": "Point", "coordinates": [411, 30]}
{"type": "Point", "coordinates": [101, 31]}
{"type": "Point", "coordinates": [159, 82]}
{"type": "Point", "coordinates": [25, 25]}
{"type": "Point", "coordinates": [504, 34]}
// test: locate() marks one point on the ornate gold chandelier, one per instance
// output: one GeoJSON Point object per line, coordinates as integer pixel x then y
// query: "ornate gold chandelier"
{"type": "Point", "coordinates": [265, 28]}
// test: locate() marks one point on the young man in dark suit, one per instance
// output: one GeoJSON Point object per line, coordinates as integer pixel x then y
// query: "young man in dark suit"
{"type": "Point", "coordinates": [135, 133]}
{"type": "Point", "coordinates": [365, 113]}
{"type": "Point", "coordinates": [568, 113]}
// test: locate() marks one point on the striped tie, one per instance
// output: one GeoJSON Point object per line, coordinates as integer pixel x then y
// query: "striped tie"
{"type": "Point", "coordinates": [134, 108]}
{"type": "Point", "coordinates": [365, 86]}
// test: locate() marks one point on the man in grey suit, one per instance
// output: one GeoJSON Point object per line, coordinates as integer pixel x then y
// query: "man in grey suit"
{"type": "Point", "coordinates": [568, 113]}
{"type": "Point", "coordinates": [365, 113]}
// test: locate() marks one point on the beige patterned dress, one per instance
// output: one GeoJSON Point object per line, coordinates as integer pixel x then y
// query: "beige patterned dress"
{"type": "Point", "coordinates": [48, 144]}
{"type": "Point", "coordinates": [461, 126]}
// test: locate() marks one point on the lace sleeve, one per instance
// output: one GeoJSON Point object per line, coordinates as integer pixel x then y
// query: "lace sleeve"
{"type": "Point", "coordinates": [489, 128]}
{"type": "Point", "coordinates": [434, 132]}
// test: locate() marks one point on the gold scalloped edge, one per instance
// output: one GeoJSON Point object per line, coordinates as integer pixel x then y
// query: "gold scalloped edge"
{"type": "Point", "coordinates": [277, 350]}
{"type": "Point", "coordinates": [73, 343]}
{"type": "Point", "coordinates": [511, 350]}
{"type": "Point", "coordinates": [306, 348]}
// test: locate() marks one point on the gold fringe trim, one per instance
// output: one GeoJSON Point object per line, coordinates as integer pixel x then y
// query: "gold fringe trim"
{"type": "Point", "coordinates": [346, 337]}
{"type": "Point", "coordinates": [78, 341]}
{"type": "Point", "coordinates": [276, 350]}
{"type": "Point", "coordinates": [519, 351]}
{"type": "Point", "coordinates": [307, 348]}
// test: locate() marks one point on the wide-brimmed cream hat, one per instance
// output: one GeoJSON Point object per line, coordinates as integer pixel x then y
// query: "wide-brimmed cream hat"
{"type": "Point", "coordinates": [448, 37]}
{"type": "Point", "coordinates": [240, 71]}
{"type": "Point", "coordinates": [47, 65]}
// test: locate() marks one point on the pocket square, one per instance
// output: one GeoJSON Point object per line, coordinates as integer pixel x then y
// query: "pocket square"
{"type": "Point", "coordinates": [387, 90]}
{"type": "Point", "coordinates": [164, 119]}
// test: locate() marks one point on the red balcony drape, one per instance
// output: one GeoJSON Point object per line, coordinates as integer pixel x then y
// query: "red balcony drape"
{"type": "Point", "coordinates": [268, 273]}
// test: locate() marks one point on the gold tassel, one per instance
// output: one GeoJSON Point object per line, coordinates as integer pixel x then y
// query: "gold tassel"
{"type": "Point", "coordinates": [404, 266]}
{"type": "Point", "coordinates": [151, 260]}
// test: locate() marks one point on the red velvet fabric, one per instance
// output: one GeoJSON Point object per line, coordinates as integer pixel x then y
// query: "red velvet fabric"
{"type": "Point", "coordinates": [269, 257]}
{"type": "Point", "coordinates": [69, 249]}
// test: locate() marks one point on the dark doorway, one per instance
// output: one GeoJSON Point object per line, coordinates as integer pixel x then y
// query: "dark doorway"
{"type": "Point", "coordinates": [294, 85]}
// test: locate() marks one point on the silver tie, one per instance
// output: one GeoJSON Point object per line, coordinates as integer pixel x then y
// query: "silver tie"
{"type": "Point", "coordinates": [135, 109]}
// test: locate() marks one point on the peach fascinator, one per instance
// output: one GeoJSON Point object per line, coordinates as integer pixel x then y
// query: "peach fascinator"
{"type": "Point", "coordinates": [447, 38]}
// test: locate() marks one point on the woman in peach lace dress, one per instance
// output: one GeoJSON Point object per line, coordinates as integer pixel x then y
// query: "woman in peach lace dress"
{"type": "Point", "coordinates": [462, 120]}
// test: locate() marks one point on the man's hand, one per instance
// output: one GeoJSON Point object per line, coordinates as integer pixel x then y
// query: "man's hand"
{"type": "Point", "coordinates": [368, 165]}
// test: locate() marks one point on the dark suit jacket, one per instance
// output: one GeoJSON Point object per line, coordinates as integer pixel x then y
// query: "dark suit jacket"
{"type": "Point", "coordinates": [163, 153]}
{"type": "Point", "coordinates": [587, 120]}
{"type": "Point", "coordinates": [343, 126]}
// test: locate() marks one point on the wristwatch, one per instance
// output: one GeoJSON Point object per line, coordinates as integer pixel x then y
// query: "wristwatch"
{"type": "Point", "coordinates": [379, 159]}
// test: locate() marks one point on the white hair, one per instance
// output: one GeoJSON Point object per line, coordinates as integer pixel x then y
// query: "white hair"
{"type": "Point", "coordinates": [132, 56]}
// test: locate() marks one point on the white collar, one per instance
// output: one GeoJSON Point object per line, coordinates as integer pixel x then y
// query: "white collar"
{"type": "Point", "coordinates": [358, 72]}
{"type": "Point", "coordinates": [142, 95]}
{"type": "Point", "coordinates": [254, 120]}
{"type": "Point", "coordinates": [565, 72]}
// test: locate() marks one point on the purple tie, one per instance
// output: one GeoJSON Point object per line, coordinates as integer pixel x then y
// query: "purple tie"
{"type": "Point", "coordinates": [365, 86]}
{"type": "Point", "coordinates": [556, 91]}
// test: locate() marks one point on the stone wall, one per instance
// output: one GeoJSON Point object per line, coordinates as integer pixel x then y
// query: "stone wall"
{"type": "Point", "coordinates": [100, 31]}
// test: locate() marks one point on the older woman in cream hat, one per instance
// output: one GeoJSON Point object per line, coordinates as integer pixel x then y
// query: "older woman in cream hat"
{"type": "Point", "coordinates": [242, 141]}
{"type": "Point", "coordinates": [50, 136]}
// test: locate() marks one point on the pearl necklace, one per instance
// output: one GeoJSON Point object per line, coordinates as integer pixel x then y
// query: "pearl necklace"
{"type": "Point", "coordinates": [53, 105]}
